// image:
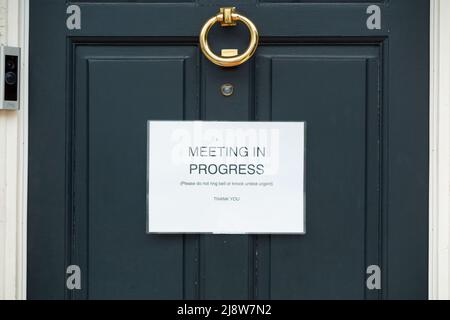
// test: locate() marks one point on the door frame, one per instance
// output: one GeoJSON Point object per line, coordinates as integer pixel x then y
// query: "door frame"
{"type": "Point", "coordinates": [16, 156]}
{"type": "Point", "coordinates": [439, 203]}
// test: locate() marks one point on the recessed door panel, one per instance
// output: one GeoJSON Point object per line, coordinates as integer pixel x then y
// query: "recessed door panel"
{"type": "Point", "coordinates": [117, 89]}
{"type": "Point", "coordinates": [336, 92]}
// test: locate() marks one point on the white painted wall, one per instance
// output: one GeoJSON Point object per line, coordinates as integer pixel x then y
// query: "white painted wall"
{"type": "Point", "coordinates": [13, 156]}
{"type": "Point", "coordinates": [3, 20]}
{"type": "Point", "coordinates": [13, 144]}
{"type": "Point", "coordinates": [5, 262]}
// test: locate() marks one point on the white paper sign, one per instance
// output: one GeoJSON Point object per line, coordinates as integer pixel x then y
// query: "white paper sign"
{"type": "Point", "coordinates": [226, 177]}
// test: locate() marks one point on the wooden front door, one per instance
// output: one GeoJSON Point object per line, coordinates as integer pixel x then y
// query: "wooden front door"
{"type": "Point", "coordinates": [356, 73]}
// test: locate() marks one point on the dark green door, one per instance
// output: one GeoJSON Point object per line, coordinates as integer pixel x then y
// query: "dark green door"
{"type": "Point", "coordinates": [362, 90]}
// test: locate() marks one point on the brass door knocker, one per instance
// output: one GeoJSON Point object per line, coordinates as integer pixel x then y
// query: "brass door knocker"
{"type": "Point", "coordinates": [229, 57]}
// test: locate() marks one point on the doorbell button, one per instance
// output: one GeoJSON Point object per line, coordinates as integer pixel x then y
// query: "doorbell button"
{"type": "Point", "coordinates": [10, 82]}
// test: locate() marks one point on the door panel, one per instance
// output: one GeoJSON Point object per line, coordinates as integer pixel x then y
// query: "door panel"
{"type": "Point", "coordinates": [117, 90]}
{"type": "Point", "coordinates": [366, 169]}
{"type": "Point", "coordinates": [336, 92]}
